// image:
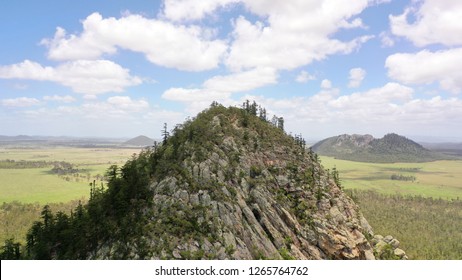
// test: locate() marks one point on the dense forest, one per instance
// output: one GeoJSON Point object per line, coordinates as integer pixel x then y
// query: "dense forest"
{"type": "Point", "coordinates": [428, 229]}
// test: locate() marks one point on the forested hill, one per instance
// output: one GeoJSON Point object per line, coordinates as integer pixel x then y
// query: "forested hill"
{"type": "Point", "coordinates": [391, 148]}
{"type": "Point", "coordinates": [228, 184]}
{"type": "Point", "coordinates": [140, 141]}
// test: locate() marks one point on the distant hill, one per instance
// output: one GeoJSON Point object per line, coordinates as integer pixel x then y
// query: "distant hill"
{"type": "Point", "coordinates": [141, 141]}
{"type": "Point", "coordinates": [391, 148]}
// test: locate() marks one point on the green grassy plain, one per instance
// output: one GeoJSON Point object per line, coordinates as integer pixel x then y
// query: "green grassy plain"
{"type": "Point", "coordinates": [437, 179]}
{"type": "Point", "coordinates": [24, 191]}
{"type": "Point", "coordinates": [424, 215]}
{"type": "Point", "coordinates": [38, 185]}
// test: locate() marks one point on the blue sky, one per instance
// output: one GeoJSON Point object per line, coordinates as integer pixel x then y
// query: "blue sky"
{"type": "Point", "coordinates": [123, 68]}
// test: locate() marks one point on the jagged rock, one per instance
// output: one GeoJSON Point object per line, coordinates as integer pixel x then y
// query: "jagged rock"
{"type": "Point", "coordinates": [387, 248]}
{"type": "Point", "coordinates": [400, 253]}
{"type": "Point", "coordinates": [394, 243]}
{"type": "Point", "coordinates": [228, 185]}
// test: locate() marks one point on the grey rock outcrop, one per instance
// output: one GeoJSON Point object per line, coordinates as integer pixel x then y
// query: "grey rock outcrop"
{"type": "Point", "coordinates": [245, 191]}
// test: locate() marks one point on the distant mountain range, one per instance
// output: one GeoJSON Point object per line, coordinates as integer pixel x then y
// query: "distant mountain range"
{"type": "Point", "coordinates": [391, 148]}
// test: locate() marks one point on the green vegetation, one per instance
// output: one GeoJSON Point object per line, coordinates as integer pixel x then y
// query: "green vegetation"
{"type": "Point", "coordinates": [62, 174]}
{"type": "Point", "coordinates": [401, 177]}
{"type": "Point", "coordinates": [438, 179]}
{"type": "Point", "coordinates": [122, 213]}
{"type": "Point", "coordinates": [27, 184]}
{"type": "Point", "coordinates": [427, 228]}
{"type": "Point", "coordinates": [364, 148]}
{"type": "Point", "coordinates": [16, 218]}
{"type": "Point", "coordinates": [119, 216]}
{"type": "Point", "coordinates": [423, 210]}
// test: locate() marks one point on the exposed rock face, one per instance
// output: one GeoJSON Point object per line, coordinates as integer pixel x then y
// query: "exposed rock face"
{"type": "Point", "coordinates": [388, 248]}
{"type": "Point", "coordinates": [365, 148]}
{"type": "Point", "coordinates": [229, 185]}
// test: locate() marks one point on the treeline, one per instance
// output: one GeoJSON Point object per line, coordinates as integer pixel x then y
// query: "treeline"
{"type": "Point", "coordinates": [428, 229]}
{"type": "Point", "coordinates": [23, 164]}
{"type": "Point", "coordinates": [16, 218]}
{"type": "Point", "coordinates": [401, 177]}
{"type": "Point", "coordinates": [118, 213]}
{"type": "Point", "coordinates": [58, 167]}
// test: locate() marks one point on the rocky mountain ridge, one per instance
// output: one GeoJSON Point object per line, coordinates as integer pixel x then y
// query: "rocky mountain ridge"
{"type": "Point", "coordinates": [390, 148]}
{"type": "Point", "coordinates": [225, 185]}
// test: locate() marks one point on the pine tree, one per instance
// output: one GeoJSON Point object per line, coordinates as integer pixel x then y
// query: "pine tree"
{"type": "Point", "coordinates": [281, 123]}
{"type": "Point", "coordinates": [165, 134]}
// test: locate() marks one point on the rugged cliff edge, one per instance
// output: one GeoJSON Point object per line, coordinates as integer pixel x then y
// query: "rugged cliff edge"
{"type": "Point", "coordinates": [225, 185]}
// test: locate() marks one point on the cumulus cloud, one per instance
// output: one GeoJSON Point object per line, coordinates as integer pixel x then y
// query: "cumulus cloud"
{"type": "Point", "coordinates": [290, 40]}
{"type": "Point", "coordinates": [377, 110]}
{"type": "Point", "coordinates": [20, 102]}
{"type": "Point", "coordinates": [356, 77]}
{"type": "Point", "coordinates": [95, 118]}
{"type": "Point", "coordinates": [83, 76]}
{"type": "Point", "coordinates": [181, 10]}
{"type": "Point", "coordinates": [386, 39]}
{"type": "Point", "coordinates": [194, 95]}
{"type": "Point", "coordinates": [326, 84]}
{"type": "Point", "coordinates": [304, 77]}
{"type": "Point", "coordinates": [436, 22]}
{"type": "Point", "coordinates": [115, 107]}
{"type": "Point", "coordinates": [126, 103]}
{"type": "Point", "coordinates": [220, 88]}
{"type": "Point", "coordinates": [288, 34]}
{"type": "Point", "coordinates": [243, 81]}
{"type": "Point", "coordinates": [426, 67]}
{"type": "Point", "coordinates": [163, 43]}
{"type": "Point", "coordinates": [59, 98]}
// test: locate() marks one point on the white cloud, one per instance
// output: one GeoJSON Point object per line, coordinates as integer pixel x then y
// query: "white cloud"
{"type": "Point", "coordinates": [83, 76]}
{"type": "Point", "coordinates": [194, 95]}
{"type": "Point", "coordinates": [59, 98]}
{"type": "Point", "coordinates": [386, 39]}
{"type": "Point", "coordinates": [288, 34]}
{"type": "Point", "coordinates": [426, 67]}
{"type": "Point", "coordinates": [220, 88]}
{"type": "Point", "coordinates": [373, 99]}
{"type": "Point", "coordinates": [179, 10]}
{"type": "Point", "coordinates": [94, 118]}
{"type": "Point", "coordinates": [290, 40]}
{"type": "Point", "coordinates": [243, 81]}
{"type": "Point", "coordinates": [326, 84]}
{"type": "Point", "coordinates": [115, 107]}
{"type": "Point", "coordinates": [296, 34]}
{"type": "Point", "coordinates": [20, 102]}
{"type": "Point", "coordinates": [436, 22]}
{"type": "Point", "coordinates": [126, 103]}
{"type": "Point", "coordinates": [390, 108]}
{"type": "Point", "coordinates": [356, 77]}
{"type": "Point", "coordinates": [27, 70]}
{"type": "Point", "coordinates": [304, 77]}
{"type": "Point", "coordinates": [176, 46]}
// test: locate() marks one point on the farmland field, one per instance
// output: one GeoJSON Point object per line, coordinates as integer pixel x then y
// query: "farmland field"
{"type": "Point", "coordinates": [24, 191]}
{"type": "Point", "coordinates": [30, 185]}
{"type": "Point", "coordinates": [438, 179]}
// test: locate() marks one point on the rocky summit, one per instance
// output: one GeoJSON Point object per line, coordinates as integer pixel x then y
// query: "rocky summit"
{"type": "Point", "coordinates": [228, 184]}
{"type": "Point", "coordinates": [365, 148]}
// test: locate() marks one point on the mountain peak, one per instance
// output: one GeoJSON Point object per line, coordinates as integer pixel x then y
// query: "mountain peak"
{"type": "Point", "coordinates": [227, 184]}
{"type": "Point", "coordinates": [390, 148]}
